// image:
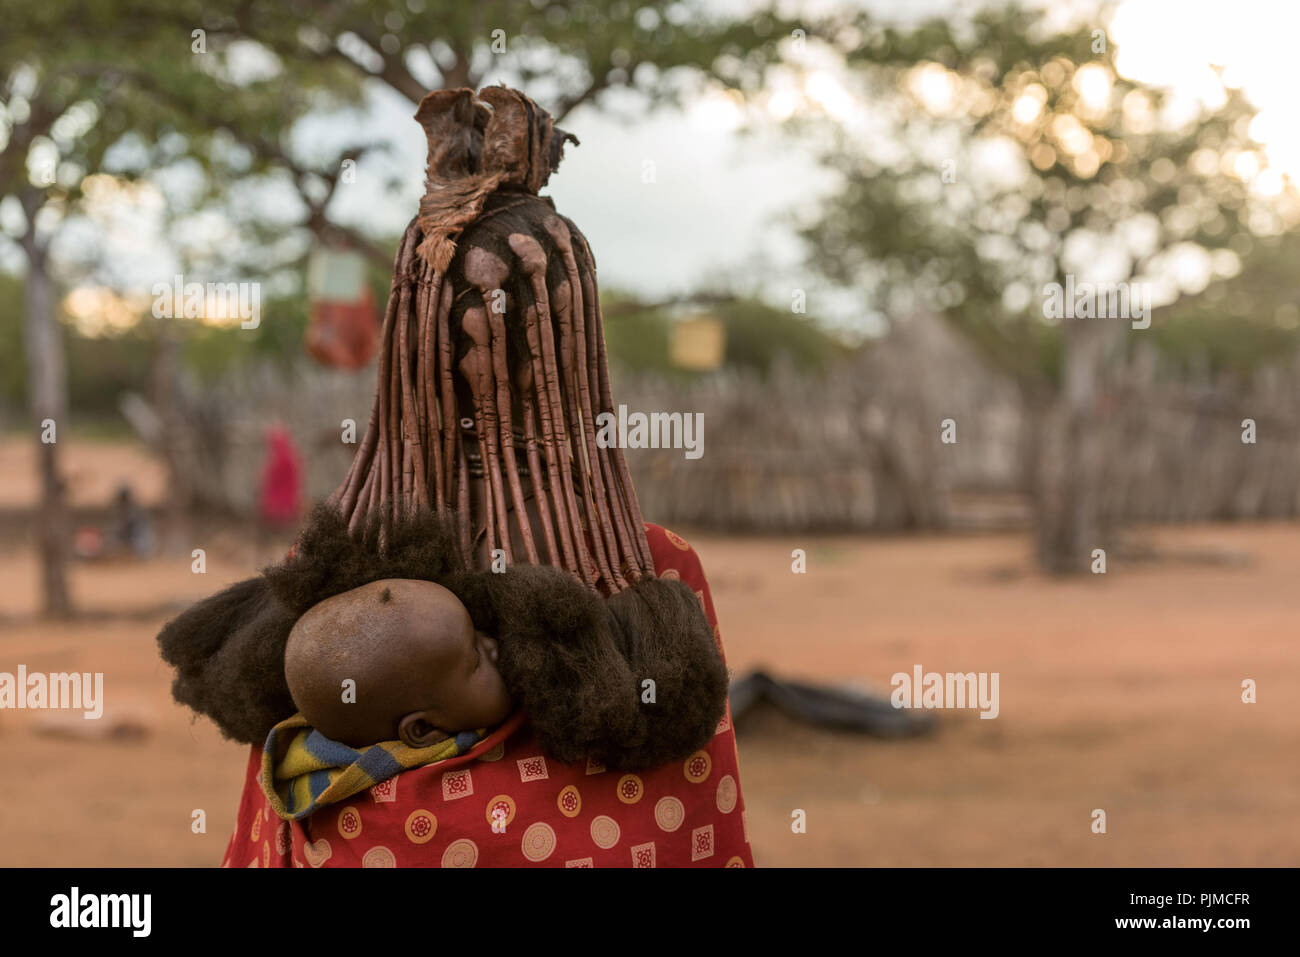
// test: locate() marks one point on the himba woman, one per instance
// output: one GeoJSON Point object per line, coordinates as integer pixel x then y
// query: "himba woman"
{"type": "Point", "coordinates": [480, 470]}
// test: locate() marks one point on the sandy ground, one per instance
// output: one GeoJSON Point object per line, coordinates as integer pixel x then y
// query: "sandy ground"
{"type": "Point", "coordinates": [1120, 692]}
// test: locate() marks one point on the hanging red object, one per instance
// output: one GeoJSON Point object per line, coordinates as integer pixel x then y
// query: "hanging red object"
{"type": "Point", "coordinates": [343, 328]}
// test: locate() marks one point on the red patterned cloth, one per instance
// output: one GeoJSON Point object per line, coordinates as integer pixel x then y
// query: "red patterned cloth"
{"type": "Point", "coordinates": [505, 804]}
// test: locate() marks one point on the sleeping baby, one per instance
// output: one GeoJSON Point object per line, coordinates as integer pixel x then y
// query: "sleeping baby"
{"type": "Point", "coordinates": [394, 660]}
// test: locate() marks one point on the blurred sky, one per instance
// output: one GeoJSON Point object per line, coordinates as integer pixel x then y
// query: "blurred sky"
{"type": "Point", "coordinates": [719, 206]}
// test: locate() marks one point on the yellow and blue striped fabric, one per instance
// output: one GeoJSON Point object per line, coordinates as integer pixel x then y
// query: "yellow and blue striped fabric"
{"type": "Point", "coordinates": [304, 771]}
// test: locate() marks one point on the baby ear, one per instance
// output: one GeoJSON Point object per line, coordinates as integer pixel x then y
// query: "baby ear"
{"type": "Point", "coordinates": [416, 730]}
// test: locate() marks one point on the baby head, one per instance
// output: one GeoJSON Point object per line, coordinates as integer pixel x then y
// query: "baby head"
{"type": "Point", "coordinates": [418, 665]}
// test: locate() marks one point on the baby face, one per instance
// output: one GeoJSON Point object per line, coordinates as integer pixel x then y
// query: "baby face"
{"type": "Point", "coordinates": [461, 686]}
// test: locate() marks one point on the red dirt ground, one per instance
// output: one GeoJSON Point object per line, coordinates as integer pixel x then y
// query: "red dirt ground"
{"type": "Point", "coordinates": [1120, 692]}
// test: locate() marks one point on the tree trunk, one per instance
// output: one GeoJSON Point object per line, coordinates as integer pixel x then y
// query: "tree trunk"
{"type": "Point", "coordinates": [1070, 454]}
{"type": "Point", "coordinates": [47, 393]}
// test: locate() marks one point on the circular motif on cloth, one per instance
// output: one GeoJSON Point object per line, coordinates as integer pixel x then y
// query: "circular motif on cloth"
{"type": "Point", "coordinates": [630, 789]}
{"type": "Point", "coordinates": [420, 826]}
{"type": "Point", "coordinates": [266, 853]}
{"type": "Point", "coordinates": [494, 753]}
{"type": "Point", "coordinates": [604, 831]}
{"type": "Point", "coordinates": [349, 823]}
{"type": "Point", "coordinates": [255, 832]}
{"type": "Point", "coordinates": [669, 813]}
{"type": "Point", "coordinates": [727, 794]}
{"type": "Point", "coordinates": [735, 862]}
{"type": "Point", "coordinates": [677, 540]}
{"type": "Point", "coordinates": [461, 853]}
{"type": "Point", "coordinates": [697, 767]}
{"type": "Point", "coordinates": [317, 852]}
{"type": "Point", "coordinates": [569, 801]}
{"type": "Point", "coordinates": [671, 574]}
{"type": "Point", "coordinates": [502, 802]}
{"type": "Point", "coordinates": [538, 842]}
{"type": "Point", "coordinates": [379, 857]}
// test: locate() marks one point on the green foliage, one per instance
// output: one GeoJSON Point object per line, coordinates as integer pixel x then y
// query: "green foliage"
{"type": "Point", "coordinates": [96, 76]}
{"type": "Point", "coordinates": [563, 53]}
{"type": "Point", "coordinates": [211, 351]}
{"type": "Point", "coordinates": [98, 369]}
{"type": "Point", "coordinates": [102, 367]}
{"type": "Point", "coordinates": [919, 229]}
{"type": "Point", "coordinates": [1215, 344]}
{"type": "Point", "coordinates": [758, 334]}
{"type": "Point", "coordinates": [139, 86]}
{"type": "Point", "coordinates": [638, 336]}
{"type": "Point", "coordinates": [1239, 324]}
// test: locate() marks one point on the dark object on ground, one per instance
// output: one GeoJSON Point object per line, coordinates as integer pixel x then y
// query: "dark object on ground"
{"type": "Point", "coordinates": [839, 708]}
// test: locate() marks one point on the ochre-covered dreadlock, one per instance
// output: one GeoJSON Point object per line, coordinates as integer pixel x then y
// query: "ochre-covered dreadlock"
{"type": "Point", "coordinates": [493, 351]}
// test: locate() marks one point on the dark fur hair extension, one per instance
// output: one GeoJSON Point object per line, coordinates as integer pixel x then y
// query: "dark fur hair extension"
{"type": "Point", "coordinates": [576, 662]}
{"type": "Point", "coordinates": [228, 651]}
{"type": "Point", "coordinates": [328, 560]}
{"type": "Point", "coordinates": [558, 656]}
{"type": "Point", "coordinates": [666, 637]}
